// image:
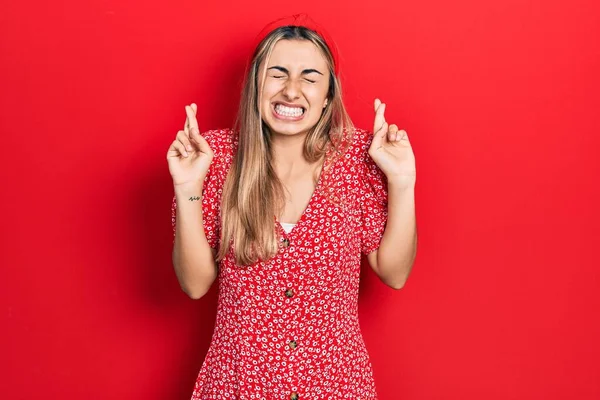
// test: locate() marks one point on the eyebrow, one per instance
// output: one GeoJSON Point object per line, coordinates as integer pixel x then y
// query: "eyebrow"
{"type": "Point", "coordinates": [304, 72]}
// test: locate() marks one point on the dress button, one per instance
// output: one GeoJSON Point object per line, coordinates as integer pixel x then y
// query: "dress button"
{"type": "Point", "coordinates": [294, 396]}
{"type": "Point", "coordinates": [286, 242]}
{"type": "Point", "coordinates": [289, 293]}
{"type": "Point", "coordinates": [293, 344]}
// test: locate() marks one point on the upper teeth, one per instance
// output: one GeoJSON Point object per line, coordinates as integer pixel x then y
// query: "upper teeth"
{"type": "Point", "coordinates": [288, 111]}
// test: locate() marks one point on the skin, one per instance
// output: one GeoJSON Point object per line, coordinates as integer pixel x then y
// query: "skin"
{"type": "Point", "coordinates": [392, 152]}
{"type": "Point", "coordinates": [296, 75]}
{"type": "Point", "coordinates": [293, 78]}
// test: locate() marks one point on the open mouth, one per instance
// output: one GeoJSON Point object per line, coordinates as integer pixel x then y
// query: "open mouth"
{"type": "Point", "coordinates": [287, 112]}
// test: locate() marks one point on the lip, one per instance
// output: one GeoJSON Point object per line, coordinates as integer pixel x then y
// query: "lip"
{"type": "Point", "coordinates": [285, 118]}
{"type": "Point", "coordinates": [288, 104]}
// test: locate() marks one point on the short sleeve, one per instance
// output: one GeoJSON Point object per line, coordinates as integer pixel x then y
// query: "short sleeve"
{"type": "Point", "coordinates": [373, 203]}
{"type": "Point", "coordinates": [212, 189]}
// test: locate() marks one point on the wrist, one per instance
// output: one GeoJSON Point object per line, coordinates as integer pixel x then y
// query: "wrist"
{"type": "Point", "coordinates": [401, 183]}
{"type": "Point", "coordinates": [188, 190]}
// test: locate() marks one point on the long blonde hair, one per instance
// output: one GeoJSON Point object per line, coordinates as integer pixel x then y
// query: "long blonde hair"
{"type": "Point", "coordinates": [253, 194]}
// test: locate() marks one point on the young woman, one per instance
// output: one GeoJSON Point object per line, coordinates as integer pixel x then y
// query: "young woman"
{"type": "Point", "coordinates": [280, 209]}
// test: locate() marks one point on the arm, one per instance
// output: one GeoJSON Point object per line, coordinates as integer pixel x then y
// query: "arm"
{"type": "Point", "coordinates": [391, 150]}
{"type": "Point", "coordinates": [190, 159]}
{"type": "Point", "coordinates": [193, 258]}
{"type": "Point", "coordinates": [394, 258]}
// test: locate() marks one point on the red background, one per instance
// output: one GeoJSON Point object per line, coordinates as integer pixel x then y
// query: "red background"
{"type": "Point", "coordinates": [500, 100]}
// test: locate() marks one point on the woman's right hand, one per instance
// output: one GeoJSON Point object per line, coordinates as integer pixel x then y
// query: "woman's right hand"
{"type": "Point", "coordinates": [189, 156]}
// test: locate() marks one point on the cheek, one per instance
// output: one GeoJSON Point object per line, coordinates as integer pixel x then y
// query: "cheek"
{"type": "Point", "coordinates": [316, 96]}
{"type": "Point", "coordinates": [270, 89]}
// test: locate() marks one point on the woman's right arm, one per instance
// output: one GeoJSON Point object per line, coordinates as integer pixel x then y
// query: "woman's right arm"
{"type": "Point", "coordinates": [193, 258]}
{"type": "Point", "coordinates": [189, 158]}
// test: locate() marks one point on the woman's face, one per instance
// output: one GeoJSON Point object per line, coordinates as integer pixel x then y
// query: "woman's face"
{"type": "Point", "coordinates": [295, 88]}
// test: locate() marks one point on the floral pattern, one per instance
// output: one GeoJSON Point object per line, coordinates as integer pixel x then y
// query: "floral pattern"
{"type": "Point", "coordinates": [288, 328]}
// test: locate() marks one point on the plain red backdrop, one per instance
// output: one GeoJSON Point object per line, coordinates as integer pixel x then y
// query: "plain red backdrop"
{"type": "Point", "coordinates": [501, 102]}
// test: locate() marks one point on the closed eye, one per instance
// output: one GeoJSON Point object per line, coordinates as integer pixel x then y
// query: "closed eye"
{"type": "Point", "coordinates": [283, 76]}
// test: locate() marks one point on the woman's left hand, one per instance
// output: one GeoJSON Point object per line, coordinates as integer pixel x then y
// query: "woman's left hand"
{"type": "Point", "coordinates": [391, 150]}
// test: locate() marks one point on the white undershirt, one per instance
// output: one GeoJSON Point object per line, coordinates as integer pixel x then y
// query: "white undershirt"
{"type": "Point", "coordinates": [287, 227]}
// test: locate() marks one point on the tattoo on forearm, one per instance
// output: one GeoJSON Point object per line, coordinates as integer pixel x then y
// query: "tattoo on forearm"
{"type": "Point", "coordinates": [194, 198]}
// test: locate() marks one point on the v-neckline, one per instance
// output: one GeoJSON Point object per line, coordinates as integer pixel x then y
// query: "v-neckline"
{"type": "Point", "coordinates": [309, 205]}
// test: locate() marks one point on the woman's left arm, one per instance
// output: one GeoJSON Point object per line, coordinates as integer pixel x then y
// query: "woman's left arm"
{"type": "Point", "coordinates": [392, 152]}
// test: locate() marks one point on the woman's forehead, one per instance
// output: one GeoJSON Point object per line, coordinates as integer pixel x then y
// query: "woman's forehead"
{"type": "Point", "coordinates": [297, 54]}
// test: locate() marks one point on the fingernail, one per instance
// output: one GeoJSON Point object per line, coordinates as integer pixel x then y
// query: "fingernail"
{"type": "Point", "coordinates": [185, 154]}
{"type": "Point", "coordinates": [188, 147]}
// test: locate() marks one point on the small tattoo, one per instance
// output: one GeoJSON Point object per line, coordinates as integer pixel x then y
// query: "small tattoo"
{"type": "Point", "coordinates": [194, 198]}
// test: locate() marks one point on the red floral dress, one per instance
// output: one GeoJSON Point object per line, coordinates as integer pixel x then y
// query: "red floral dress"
{"type": "Point", "coordinates": [288, 328]}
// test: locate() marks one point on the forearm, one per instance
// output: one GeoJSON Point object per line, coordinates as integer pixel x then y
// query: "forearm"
{"type": "Point", "coordinates": [193, 259]}
{"type": "Point", "coordinates": [397, 250]}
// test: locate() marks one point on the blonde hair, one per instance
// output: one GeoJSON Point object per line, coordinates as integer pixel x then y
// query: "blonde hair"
{"type": "Point", "coordinates": [253, 194]}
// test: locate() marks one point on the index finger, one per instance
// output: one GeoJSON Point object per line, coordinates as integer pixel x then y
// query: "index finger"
{"type": "Point", "coordinates": [190, 119]}
{"type": "Point", "coordinates": [379, 117]}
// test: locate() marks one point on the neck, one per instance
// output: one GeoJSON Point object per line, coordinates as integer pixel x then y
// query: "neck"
{"type": "Point", "coordinates": [288, 150]}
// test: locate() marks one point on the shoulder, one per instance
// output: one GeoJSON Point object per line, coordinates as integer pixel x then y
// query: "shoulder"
{"type": "Point", "coordinates": [362, 162]}
{"type": "Point", "coordinates": [359, 143]}
{"type": "Point", "coordinates": [221, 141]}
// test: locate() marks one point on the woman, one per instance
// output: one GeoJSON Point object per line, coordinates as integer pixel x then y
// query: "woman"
{"type": "Point", "coordinates": [280, 209]}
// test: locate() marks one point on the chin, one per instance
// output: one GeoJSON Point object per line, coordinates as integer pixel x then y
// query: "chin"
{"type": "Point", "coordinates": [287, 130]}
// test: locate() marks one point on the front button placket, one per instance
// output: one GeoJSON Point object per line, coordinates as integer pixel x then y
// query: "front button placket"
{"type": "Point", "coordinates": [289, 292]}
{"type": "Point", "coordinates": [297, 299]}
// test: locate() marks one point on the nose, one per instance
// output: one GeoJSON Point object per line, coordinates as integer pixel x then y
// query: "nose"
{"type": "Point", "coordinates": [291, 90]}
